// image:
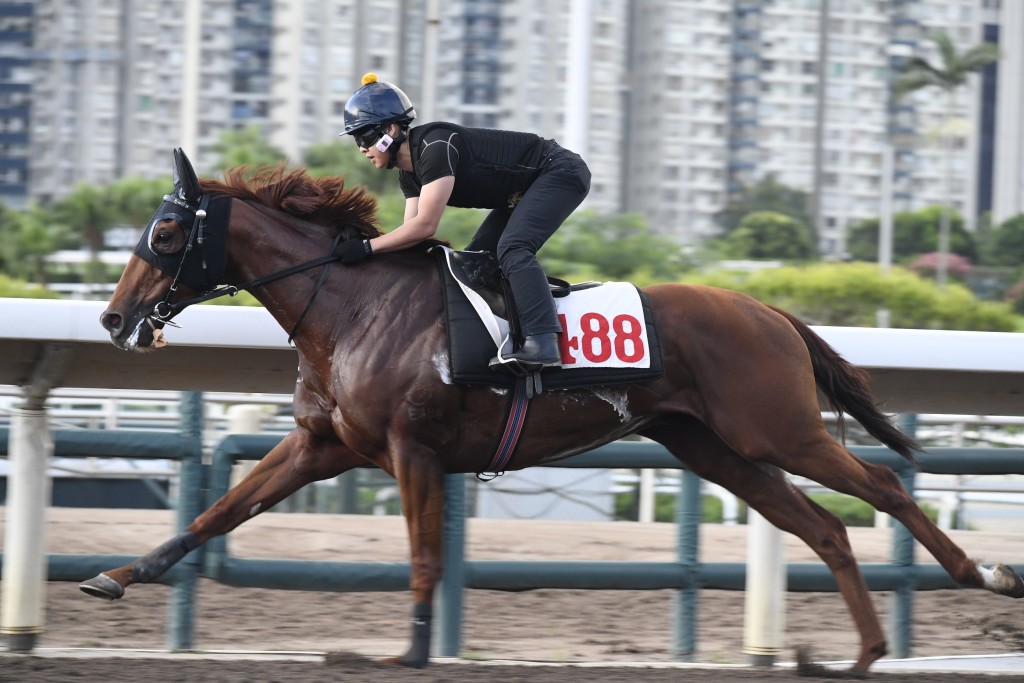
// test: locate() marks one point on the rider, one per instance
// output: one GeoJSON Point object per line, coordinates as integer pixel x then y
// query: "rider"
{"type": "Point", "coordinates": [530, 185]}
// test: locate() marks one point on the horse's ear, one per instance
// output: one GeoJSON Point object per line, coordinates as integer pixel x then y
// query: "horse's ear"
{"type": "Point", "coordinates": [186, 183]}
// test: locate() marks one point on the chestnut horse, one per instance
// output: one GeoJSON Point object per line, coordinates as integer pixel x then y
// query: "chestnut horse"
{"type": "Point", "coordinates": [737, 403]}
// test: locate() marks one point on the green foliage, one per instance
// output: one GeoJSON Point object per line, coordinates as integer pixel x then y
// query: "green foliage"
{"type": "Point", "coordinates": [769, 235]}
{"type": "Point", "coordinates": [458, 225]}
{"type": "Point", "coordinates": [767, 195]}
{"type": "Point", "coordinates": [913, 233]}
{"type": "Point", "coordinates": [851, 511]}
{"type": "Point", "coordinates": [1006, 243]}
{"type": "Point", "coordinates": [610, 247]}
{"type": "Point", "coordinates": [26, 238]}
{"type": "Point", "coordinates": [11, 288]}
{"type": "Point", "coordinates": [86, 213]}
{"type": "Point", "coordinates": [246, 147]}
{"type": "Point", "coordinates": [626, 507]}
{"type": "Point", "coordinates": [134, 200]}
{"type": "Point", "coordinates": [850, 294]}
{"type": "Point", "coordinates": [1015, 297]}
{"type": "Point", "coordinates": [855, 512]}
{"type": "Point", "coordinates": [953, 70]}
{"type": "Point", "coordinates": [337, 158]}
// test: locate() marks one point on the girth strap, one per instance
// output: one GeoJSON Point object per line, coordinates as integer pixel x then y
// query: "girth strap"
{"type": "Point", "coordinates": [514, 422]}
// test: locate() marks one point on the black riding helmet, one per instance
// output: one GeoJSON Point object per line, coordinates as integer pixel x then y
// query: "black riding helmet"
{"type": "Point", "coordinates": [377, 103]}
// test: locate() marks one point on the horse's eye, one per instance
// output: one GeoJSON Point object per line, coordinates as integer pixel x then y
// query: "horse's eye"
{"type": "Point", "coordinates": [164, 237]}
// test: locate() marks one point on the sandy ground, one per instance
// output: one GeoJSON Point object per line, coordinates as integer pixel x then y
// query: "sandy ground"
{"type": "Point", "coordinates": [544, 625]}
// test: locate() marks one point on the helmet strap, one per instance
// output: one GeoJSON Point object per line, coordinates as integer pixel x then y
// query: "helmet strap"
{"type": "Point", "coordinates": [398, 140]}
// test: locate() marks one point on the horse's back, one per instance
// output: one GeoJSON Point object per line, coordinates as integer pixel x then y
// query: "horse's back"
{"type": "Point", "coordinates": [729, 319]}
{"type": "Point", "coordinates": [746, 360]}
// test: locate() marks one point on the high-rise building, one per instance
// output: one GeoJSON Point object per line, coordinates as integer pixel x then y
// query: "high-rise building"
{"type": "Point", "coordinates": [320, 51]}
{"type": "Point", "coordinates": [681, 104]}
{"type": "Point", "coordinates": [737, 90]}
{"type": "Point", "coordinates": [15, 101]}
{"type": "Point", "coordinates": [675, 104]}
{"type": "Point", "coordinates": [1008, 175]}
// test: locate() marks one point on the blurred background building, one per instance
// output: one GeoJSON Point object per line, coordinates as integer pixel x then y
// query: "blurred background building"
{"type": "Point", "coordinates": [675, 104]}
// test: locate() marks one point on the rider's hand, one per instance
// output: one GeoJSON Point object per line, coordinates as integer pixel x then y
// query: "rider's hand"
{"type": "Point", "coordinates": [354, 250]}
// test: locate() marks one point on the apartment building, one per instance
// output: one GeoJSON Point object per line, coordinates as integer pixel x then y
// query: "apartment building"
{"type": "Point", "coordinates": [15, 101]}
{"type": "Point", "coordinates": [737, 90]}
{"type": "Point", "coordinates": [675, 104]}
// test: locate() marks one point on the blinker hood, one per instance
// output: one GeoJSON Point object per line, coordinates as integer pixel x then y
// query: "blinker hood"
{"type": "Point", "coordinates": [207, 234]}
{"type": "Point", "coordinates": [200, 271]}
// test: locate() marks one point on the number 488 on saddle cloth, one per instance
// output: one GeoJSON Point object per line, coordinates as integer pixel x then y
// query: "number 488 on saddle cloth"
{"type": "Point", "coordinates": [603, 327]}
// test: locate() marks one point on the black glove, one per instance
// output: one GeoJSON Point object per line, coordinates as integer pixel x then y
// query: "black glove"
{"type": "Point", "coordinates": [354, 251]}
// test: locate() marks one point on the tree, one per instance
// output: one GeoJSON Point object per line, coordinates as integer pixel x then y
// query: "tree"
{"type": "Point", "coordinates": [135, 199]}
{"type": "Point", "coordinates": [850, 294]}
{"type": "Point", "coordinates": [87, 213]}
{"type": "Point", "coordinates": [336, 158]}
{"type": "Point", "coordinates": [913, 233]}
{"type": "Point", "coordinates": [246, 147]}
{"type": "Point", "coordinates": [949, 76]}
{"type": "Point", "coordinates": [616, 247]}
{"type": "Point", "coordinates": [26, 239]}
{"type": "Point", "coordinates": [767, 195]}
{"type": "Point", "coordinates": [1006, 245]}
{"type": "Point", "coordinates": [769, 235]}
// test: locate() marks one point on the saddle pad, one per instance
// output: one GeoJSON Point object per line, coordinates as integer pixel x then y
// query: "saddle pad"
{"type": "Point", "coordinates": [607, 346]}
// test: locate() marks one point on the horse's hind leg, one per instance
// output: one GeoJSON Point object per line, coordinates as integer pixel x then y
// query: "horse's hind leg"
{"type": "Point", "coordinates": [765, 488]}
{"type": "Point", "coordinates": [298, 460]}
{"type": "Point", "coordinates": [830, 464]}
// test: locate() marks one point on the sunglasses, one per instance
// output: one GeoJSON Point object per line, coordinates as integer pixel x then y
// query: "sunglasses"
{"type": "Point", "coordinates": [365, 138]}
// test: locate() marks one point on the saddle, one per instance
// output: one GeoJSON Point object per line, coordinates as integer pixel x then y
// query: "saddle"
{"type": "Point", "coordinates": [479, 314]}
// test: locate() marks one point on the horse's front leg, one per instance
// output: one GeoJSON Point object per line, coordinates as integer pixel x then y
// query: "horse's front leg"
{"type": "Point", "coordinates": [299, 459]}
{"type": "Point", "coordinates": [421, 483]}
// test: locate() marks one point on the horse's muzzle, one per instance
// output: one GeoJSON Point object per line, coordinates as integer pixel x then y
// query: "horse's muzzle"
{"type": "Point", "coordinates": [138, 337]}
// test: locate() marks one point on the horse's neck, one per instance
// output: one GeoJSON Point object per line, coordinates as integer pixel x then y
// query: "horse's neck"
{"type": "Point", "coordinates": [351, 298]}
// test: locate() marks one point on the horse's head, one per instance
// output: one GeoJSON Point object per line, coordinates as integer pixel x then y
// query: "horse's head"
{"type": "Point", "coordinates": [182, 253]}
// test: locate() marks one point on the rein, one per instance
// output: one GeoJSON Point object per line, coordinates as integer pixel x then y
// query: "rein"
{"type": "Point", "coordinates": [232, 290]}
{"type": "Point", "coordinates": [165, 310]}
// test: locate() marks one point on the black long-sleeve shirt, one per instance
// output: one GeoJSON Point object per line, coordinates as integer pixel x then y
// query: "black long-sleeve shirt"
{"type": "Point", "coordinates": [492, 168]}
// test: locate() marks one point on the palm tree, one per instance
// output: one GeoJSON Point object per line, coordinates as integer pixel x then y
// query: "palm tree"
{"type": "Point", "coordinates": [26, 239]}
{"type": "Point", "coordinates": [87, 214]}
{"type": "Point", "coordinates": [134, 199]}
{"type": "Point", "coordinates": [949, 76]}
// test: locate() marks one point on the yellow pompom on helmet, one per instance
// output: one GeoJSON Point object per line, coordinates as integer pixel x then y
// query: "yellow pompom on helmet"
{"type": "Point", "coordinates": [375, 103]}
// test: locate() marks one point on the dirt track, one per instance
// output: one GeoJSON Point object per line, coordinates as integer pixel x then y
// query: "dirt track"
{"type": "Point", "coordinates": [348, 667]}
{"type": "Point", "coordinates": [545, 625]}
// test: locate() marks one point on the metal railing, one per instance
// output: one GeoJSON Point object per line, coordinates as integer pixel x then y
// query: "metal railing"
{"type": "Point", "coordinates": [686, 575]}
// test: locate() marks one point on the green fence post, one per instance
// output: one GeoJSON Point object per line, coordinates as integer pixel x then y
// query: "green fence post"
{"type": "Point", "coordinates": [181, 616]}
{"type": "Point", "coordinates": [688, 516]}
{"type": "Point", "coordinates": [453, 580]}
{"type": "Point", "coordinates": [902, 625]}
{"type": "Point", "coordinates": [348, 492]}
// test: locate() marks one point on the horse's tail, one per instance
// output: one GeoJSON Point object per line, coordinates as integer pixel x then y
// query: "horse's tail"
{"type": "Point", "coordinates": [848, 389]}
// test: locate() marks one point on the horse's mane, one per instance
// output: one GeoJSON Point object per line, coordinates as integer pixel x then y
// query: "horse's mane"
{"type": "Point", "coordinates": [324, 201]}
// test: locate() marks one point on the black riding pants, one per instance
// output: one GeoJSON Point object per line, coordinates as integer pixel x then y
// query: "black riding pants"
{"type": "Point", "coordinates": [516, 234]}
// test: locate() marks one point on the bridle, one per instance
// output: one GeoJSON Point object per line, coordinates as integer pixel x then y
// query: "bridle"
{"type": "Point", "coordinates": [210, 242]}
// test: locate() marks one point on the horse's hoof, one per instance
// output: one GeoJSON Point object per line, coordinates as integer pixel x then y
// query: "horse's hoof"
{"type": "Point", "coordinates": [1001, 579]}
{"type": "Point", "coordinates": [102, 586]}
{"type": "Point", "coordinates": [1011, 584]}
{"type": "Point", "coordinates": [406, 661]}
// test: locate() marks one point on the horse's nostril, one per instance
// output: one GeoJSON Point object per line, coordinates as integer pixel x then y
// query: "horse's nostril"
{"type": "Point", "coordinates": [112, 322]}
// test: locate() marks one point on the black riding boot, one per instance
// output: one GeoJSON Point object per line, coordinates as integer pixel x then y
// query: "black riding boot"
{"type": "Point", "coordinates": [538, 320]}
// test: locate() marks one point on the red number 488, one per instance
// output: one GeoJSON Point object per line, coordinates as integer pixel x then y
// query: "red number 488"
{"type": "Point", "coordinates": [600, 339]}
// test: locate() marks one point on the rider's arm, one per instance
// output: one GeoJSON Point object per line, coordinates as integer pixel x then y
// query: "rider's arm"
{"type": "Point", "coordinates": [422, 216]}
